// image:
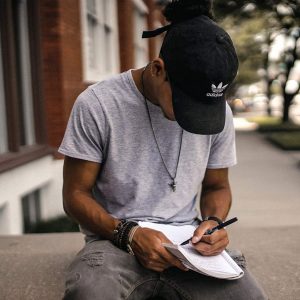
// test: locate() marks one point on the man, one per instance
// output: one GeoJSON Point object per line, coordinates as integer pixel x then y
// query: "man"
{"type": "Point", "coordinates": [138, 146]}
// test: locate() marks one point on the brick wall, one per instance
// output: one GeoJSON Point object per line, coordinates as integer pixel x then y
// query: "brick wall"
{"type": "Point", "coordinates": [62, 56]}
{"type": "Point", "coordinates": [62, 63]}
{"type": "Point", "coordinates": [126, 31]}
{"type": "Point", "coordinates": [151, 25]}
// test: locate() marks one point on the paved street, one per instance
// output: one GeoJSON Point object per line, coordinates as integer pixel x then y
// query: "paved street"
{"type": "Point", "coordinates": [266, 193]}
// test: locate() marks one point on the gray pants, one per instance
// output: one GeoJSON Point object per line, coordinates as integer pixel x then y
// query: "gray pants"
{"type": "Point", "coordinates": [102, 271]}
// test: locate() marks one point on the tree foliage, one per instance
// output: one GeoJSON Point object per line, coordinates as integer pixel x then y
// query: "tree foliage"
{"type": "Point", "coordinates": [243, 32]}
{"type": "Point", "coordinates": [243, 27]}
{"type": "Point", "coordinates": [234, 7]}
{"type": "Point", "coordinates": [245, 20]}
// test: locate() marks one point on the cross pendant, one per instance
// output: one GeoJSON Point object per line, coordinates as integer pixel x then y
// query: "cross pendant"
{"type": "Point", "coordinates": [173, 185]}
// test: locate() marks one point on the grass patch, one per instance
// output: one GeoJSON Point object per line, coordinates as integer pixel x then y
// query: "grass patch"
{"type": "Point", "coordinates": [286, 140]}
{"type": "Point", "coordinates": [273, 124]}
{"type": "Point", "coordinates": [265, 120]}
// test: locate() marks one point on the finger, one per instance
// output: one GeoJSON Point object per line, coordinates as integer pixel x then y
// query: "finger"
{"type": "Point", "coordinates": [169, 258]}
{"type": "Point", "coordinates": [201, 229]}
{"type": "Point", "coordinates": [172, 260]}
{"type": "Point", "coordinates": [155, 266]}
{"type": "Point", "coordinates": [175, 262]}
{"type": "Point", "coordinates": [214, 237]}
{"type": "Point", "coordinates": [151, 261]}
{"type": "Point", "coordinates": [208, 249]}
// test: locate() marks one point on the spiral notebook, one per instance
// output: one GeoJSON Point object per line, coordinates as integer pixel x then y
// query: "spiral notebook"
{"type": "Point", "coordinates": [219, 266]}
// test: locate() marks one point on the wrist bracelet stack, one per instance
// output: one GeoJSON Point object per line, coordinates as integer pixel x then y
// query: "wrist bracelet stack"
{"type": "Point", "coordinates": [123, 235]}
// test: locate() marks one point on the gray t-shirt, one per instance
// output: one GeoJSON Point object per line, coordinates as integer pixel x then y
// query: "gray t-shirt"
{"type": "Point", "coordinates": [109, 124]}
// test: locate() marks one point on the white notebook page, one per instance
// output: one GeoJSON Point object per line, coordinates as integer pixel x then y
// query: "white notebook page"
{"type": "Point", "coordinates": [215, 264]}
{"type": "Point", "coordinates": [221, 266]}
{"type": "Point", "coordinates": [176, 234]}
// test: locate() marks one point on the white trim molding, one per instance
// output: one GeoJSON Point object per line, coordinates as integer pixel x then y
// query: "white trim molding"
{"type": "Point", "coordinates": [142, 7]}
{"type": "Point", "coordinates": [100, 39]}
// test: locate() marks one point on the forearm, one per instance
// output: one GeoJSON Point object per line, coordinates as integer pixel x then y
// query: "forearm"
{"type": "Point", "coordinates": [86, 211]}
{"type": "Point", "coordinates": [215, 201]}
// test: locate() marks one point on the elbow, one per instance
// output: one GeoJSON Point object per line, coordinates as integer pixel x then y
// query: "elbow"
{"type": "Point", "coordinates": [65, 207]}
{"type": "Point", "coordinates": [66, 202]}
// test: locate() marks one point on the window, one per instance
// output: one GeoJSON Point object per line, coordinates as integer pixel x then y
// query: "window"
{"type": "Point", "coordinates": [4, 224]}
{"type": "Point", "coordinates": [31, 208]}
{"type": "Point", "coordinates": [3, 126]}
{"type": "Point", "coordinates": [22, 126]}
{"type": "Point", "coordinates": [27, 134]}
{"type": "Point", "coordinates": [100, 39]}
{"type": "Point", "coordinates": [140, 23]}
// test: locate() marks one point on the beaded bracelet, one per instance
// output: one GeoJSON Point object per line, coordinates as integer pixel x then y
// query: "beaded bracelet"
{"type": "Point", "coordinates": [116, 232]}
{"type": "Point", "coordinates": [122, 234]}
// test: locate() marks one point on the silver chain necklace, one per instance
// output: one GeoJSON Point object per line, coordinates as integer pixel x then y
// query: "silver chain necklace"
{"type": "Point", "coordinates": [172, 184]}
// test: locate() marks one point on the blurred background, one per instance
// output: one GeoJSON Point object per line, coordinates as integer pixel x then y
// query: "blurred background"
{"type": "Point", "coordinates": [51, 50]}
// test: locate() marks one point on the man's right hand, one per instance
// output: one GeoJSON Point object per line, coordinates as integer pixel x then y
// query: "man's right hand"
{"type": "Point", "coordinates": [147, 247]}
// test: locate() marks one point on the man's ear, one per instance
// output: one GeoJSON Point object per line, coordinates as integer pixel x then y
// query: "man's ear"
{"type": "Point", "coordinates": [158, 68]}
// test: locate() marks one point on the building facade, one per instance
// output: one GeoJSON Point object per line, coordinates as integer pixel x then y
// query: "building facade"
{"type": "Point", "coordinates": [50, 51]}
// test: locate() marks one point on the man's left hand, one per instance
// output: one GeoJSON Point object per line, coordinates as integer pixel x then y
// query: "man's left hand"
{"type": "Point", "coordinates": [209, 244]}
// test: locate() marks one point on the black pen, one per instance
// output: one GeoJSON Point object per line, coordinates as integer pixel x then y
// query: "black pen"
{"type": "Point", "coordinates": [210, 231]}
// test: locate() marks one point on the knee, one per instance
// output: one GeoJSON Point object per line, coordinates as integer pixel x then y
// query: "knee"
{"type": "Point", "coordinates": [77, 288]}
{"type": "Point", "coordinates": [258, 294]}
{"type": "Point", "coordinates": [72, 284]}
{"type": "Point", "coordinates": [253, 289]}
{"type": "Point", "coordinates": [91, 286]}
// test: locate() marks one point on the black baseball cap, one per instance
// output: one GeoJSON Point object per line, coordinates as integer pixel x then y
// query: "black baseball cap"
{"type": "Point", "coordinates": [201, 63]}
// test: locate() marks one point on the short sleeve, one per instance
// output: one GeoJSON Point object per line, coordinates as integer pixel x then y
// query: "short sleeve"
{"type": "Point", "coordinates": [86, 133]}
{"type": "Point", "coordinates": [223, 149]}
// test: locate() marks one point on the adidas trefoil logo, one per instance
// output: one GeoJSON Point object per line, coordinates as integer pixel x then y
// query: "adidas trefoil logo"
{"type": "Point", "coordinates": [217, 90]}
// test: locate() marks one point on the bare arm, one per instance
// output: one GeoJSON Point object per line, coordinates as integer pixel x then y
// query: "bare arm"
{"type": "Point", "coordinates": [216, 194]}
{"type": "Point", "coordinates": [79, 179]}
{"type": "Point", "coordinates": [215, 201]}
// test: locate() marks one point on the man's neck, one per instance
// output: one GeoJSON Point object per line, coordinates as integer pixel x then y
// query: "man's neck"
{"type": "Point", "coordinates": [141, 80]}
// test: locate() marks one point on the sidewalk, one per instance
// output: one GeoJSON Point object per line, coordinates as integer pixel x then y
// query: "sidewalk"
{"type": "Point", "coordinates": [266, 199]}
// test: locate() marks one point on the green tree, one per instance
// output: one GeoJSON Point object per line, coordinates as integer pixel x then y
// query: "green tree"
{"type": "Point", "coordinates": [247, 18]}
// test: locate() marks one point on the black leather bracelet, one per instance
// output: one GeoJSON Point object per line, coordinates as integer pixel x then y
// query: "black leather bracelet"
{"type": "Point", "coordinates": [121, 234]}
{"type": "Point", "coordinates": [213, 218]}
{"type": "Point", "coordinates": [117, 233]}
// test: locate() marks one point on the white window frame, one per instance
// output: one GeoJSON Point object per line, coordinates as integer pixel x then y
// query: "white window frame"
{"type": "Point", "coordinates": [107, 58]}
{"type": "Point", "coordinates": [31, 209]}
{"type": "Point", "coordinates": [140, 45]}
{"type": "Point", "coordinates": [3, 218]}
{"type": "Point", "coordinates": [25, 69]}
{"type": "Point", "coordinates": [3, 126]}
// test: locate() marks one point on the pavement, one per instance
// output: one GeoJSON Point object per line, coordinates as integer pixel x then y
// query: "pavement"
{"type": "Point", "coordinates": [33, 266]}
{"type": "Point", "coordinates": [266, 200]}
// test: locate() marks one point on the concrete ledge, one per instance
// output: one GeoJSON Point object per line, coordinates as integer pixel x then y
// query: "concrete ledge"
{"type": "Point", "coordinates": [33, 266]}
{"type": "Point", "coordinates": [272, 255]}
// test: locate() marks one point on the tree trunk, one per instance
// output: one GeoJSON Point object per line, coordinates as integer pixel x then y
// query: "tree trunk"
{"type": "Point", "coordinates": [286, 106]}
{"type": "Point", "coordinates": [269, 95]}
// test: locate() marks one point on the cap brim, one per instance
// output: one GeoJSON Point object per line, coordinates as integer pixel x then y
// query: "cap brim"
{"type": "Point", "coordinates": [201, 115]}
